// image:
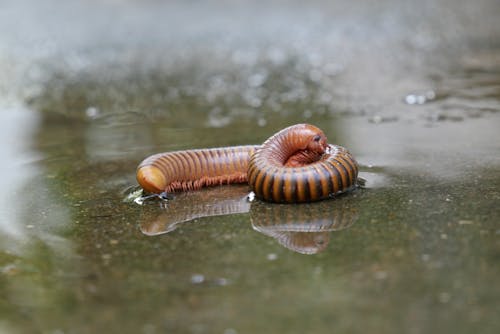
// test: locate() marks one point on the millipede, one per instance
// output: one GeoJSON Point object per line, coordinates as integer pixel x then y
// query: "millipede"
{"type": "Point", "coordinates": [295, 165]}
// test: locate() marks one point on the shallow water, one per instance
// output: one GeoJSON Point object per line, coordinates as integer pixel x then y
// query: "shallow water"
{"type": "Point", "coordinates": [413, 90]}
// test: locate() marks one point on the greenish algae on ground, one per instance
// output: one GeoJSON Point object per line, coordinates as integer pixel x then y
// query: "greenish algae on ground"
{"type": "Point", "coordinates": [420, 112]}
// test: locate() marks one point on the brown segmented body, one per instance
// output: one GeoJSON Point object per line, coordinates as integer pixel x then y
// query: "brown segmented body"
{"type": "Point", "coordinates": [295, 165]}
{"type": "Point", "coordinates": [194, 169]}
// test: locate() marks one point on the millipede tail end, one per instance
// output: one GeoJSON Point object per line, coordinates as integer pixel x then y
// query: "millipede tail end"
{"type": "Point", "coordinates": [151, 179]}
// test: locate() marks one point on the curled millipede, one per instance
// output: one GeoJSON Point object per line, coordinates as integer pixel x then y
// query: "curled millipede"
{"type": "Point", "coordinates": [295, 165]}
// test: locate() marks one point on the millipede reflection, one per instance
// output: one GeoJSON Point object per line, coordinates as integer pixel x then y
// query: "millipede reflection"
{"type": "Point", "coordinates": [304, 229]}
{"type": "Point", "coordinates": [197, 204]}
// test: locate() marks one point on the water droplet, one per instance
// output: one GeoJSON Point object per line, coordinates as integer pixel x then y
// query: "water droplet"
{"type": "Point", "coordinates": [272, 256]}
{"type": "Point", "coordinates": [420, 98]}
{"type": "Point", "coordinates": [92, 112]}
{"type": "Point", "coordinates": [197, 279]}
{"type": "Point", "coordinates": [10, 269]}
{"type": "Point", "coordinates": [376, 119]}
{"type": "Point", "coordinates": [221, 281]}
{"type": "Point", "coordinates": [465, 222]}
{"type": "Point", "coordinates": [411, 99]}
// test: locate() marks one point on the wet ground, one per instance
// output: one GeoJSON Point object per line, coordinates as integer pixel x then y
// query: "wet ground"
{"type": "Point", "coordinates": [89, 89]}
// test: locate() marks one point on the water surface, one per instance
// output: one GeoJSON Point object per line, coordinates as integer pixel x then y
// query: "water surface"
{"type": "Point", "coordinates": [90, 89]}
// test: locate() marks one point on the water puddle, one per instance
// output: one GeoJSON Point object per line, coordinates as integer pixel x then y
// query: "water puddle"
{"type": "Point", "coordinates": [412, 90]}
{"type": "Point", "coordinates": [187, 207]}
{"type": "Point", "coordinates": [306, 228]}
{"type": "Point", "coordinates": [301, 228]}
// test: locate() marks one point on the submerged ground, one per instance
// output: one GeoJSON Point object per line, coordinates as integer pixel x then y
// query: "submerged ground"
{"type": "Point", "coordinates": [89, 89]}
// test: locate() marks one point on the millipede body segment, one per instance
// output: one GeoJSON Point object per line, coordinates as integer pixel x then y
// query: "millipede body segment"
{"type": "Point", "coordinates": [295, 165]}
{"type": "Point", "coordinates": [194, 169]}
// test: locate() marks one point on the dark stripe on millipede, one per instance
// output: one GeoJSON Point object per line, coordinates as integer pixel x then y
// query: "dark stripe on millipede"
{"type": "Point", "coordinates": [211, 162]}
{"type": "Point", "coordinates": [215, 162]}
{"type": "Point", "coordinates": [200, 157]}
{"type": "Point", "coordinates": [267, 185]}
{"type": "Point", "coordinates": [334, 171]}
{"type": "Point", "coordinates": [349, 161]}
{"type": "Point", "coordinates": [160, 163]}
{"type": "Point", "coordinates": [176, 157]}
{"type": "Point", "coordinates": [256, 175]}
{"type": "Point", "coordinates": [259, 182]}
{"type": "Point", "coordinates": [198, 170]}
{"type": "Point", "coordinates": [287, 184]}
{"type": "Point", "coordinates": [354, 165]}
{"type": "Point", "coordinates": [234, 158]}
{"type": "Point", "coordinates": [304, 182]}
{"type": "Point", "coordinates": [278, 195]}
{"type": "Point", "coordinates": [316, 183]}
{"type": "Point", "coordinates": [331, 175]}
{"type": "Point", "coordinates": [186, 166]}
{"type": "Point", "coordinates": [190, 164]}
{"type": "Point", "coordinates": [253, 172]}
{"type": "Point", "coordinates": [345, 170]}
{"type": "Point", "coordinates": [351, 172]}
{"type": "Point", "coordinates": [293, 185]}
{"type": "Point", "coordinates": [327, 177]}
{"type": "Point", "coordinates": [231, 157]}
{"type": "Point", "coordinates": [170, 167]}
{"type": "Point", "coordinates": [223, 162]}
{"type": "Point", "coordinates": [344, 161]}
{"type": "Point", "coordinates": [335, 161]}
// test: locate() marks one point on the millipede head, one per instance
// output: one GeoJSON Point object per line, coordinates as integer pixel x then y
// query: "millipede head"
{"type": "Point", "coordinates": [316, 140]}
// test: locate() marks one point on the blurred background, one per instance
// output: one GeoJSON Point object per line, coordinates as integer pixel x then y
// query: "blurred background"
{"type": "Point", "coordinates": [90, 88]}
